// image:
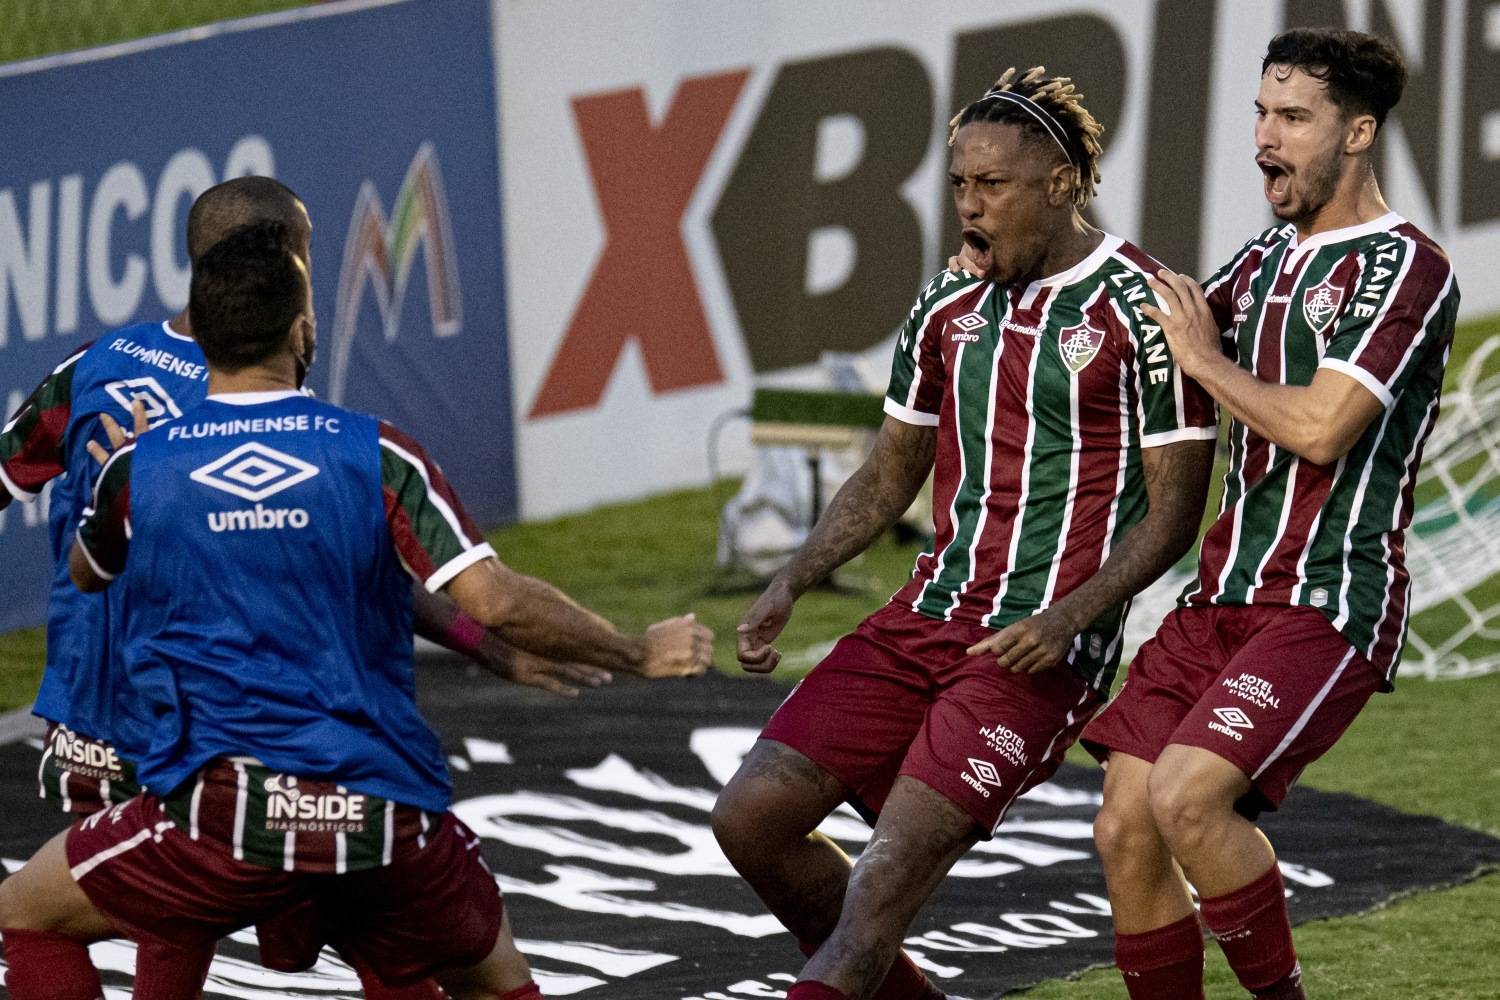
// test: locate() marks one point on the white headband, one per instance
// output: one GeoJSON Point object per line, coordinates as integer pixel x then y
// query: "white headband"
{"type": "Point", "coordinates": [1053, 127]}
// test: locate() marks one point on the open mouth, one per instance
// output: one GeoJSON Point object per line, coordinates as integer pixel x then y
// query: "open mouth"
{"type": "Point", "coordinates": [980, 250]}
{"type": "Point", "coordinates": [1277, 180]}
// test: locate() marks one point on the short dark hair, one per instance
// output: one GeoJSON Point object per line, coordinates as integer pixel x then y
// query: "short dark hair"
{"type": "Point", "coordinates": [1056, 97]}
{"type": "Point", "coordinates": [1365, 74]}
{"type": "Point", "coordinates": [240, 202]}
{"type": "Point", "coordinates": [246, 292]}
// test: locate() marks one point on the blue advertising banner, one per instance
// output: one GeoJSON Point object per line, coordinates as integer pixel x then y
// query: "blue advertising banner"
{"type": "Point", "coordinates": [380, 115]}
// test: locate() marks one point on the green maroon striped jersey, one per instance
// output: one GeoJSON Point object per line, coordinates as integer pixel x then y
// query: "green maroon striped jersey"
{"type": "Point", "coordinates": [1042, 396]}
{"type": "Point", "coordinates": [1375, 302]}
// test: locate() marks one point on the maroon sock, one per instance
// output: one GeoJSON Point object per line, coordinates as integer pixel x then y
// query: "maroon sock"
{"type": "Point", "coordinates": [47, 966]}
{"type": "Point", "coordinates": [811, 989]}
{"type": "Point", "coordinates": [163, 973]}
{"type": "Point", "coordinates": [374, 989]}
{"type": "Point", "coordinates": [1255, 933]}
{"type": "Point", "coordinates": [528, 992]}
{"type": "Point", "coordinates": [904, 982]}
{"type": "Point", "coordinates": [1163, 964]}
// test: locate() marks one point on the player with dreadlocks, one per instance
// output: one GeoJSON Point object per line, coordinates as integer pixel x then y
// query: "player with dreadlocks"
{"type": "Point", "coordinates": [1071, 462]}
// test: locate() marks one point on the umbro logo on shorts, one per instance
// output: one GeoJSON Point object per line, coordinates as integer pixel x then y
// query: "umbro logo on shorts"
{"type": "Point", "coordinates": [985, 773]}
{"type": "Point", "coordinates": [159, 403]}
{"type": "Point", "coordinates": [253, 472]}
{"type": "Point", "coordinates": [1234, 717]}
{"type": "Point", "coordinates": [1231, 720]}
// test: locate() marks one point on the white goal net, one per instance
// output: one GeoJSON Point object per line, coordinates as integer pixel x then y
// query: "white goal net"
{"type": "Point", "coordinates": [1452, 549]}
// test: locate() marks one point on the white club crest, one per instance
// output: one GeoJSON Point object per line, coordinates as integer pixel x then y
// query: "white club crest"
{"type": "Point", "coordinates": [1320, 304]}
{"type": "Point", "coordinates": [1079, 345]}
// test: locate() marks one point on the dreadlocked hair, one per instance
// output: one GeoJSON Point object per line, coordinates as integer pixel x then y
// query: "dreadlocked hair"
{"type": "Point", "coordinates": [1057, 96]}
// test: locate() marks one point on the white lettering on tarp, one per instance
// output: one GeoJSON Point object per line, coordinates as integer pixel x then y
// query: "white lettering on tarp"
{"type": "Point", "coordinates": [589, 891]}
{"type": "Point", "coordinates": [96, 244]}
{"type": "Point", "coordinates": [615, 774]}
{"type": "Point", "coordinates": [506, 818]}
{"type": "Point", "coordinates": [69, 230]}
{"type": "Point", "coordinates": [605, 958]}
{"type": "Point", "coordinates": [23, 261]}
{"type": "Point", "coordinates": [122, 189]}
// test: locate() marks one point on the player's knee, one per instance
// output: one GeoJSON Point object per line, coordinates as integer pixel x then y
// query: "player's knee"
{"type": "Point", "coordinates": [744, 821]}
{"type": "Point", "coordinates": [1178, 806]}
{"type": "Point", "coordinates": [1124, 832]}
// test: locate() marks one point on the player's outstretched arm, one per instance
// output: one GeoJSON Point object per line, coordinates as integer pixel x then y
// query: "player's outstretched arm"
{"type": "Point", "coordinates": [866, 505]}
{"type": "Point", "coordinates": [1319, 422]}
{"type": "Point", "coordinates": [538, 618]}
{"type": "Point", "coordinates": [1176, 478]}
{"type": "Point", "coordinates": [438, 619]}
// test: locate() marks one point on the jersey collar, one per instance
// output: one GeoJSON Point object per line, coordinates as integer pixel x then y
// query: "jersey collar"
{"type": "Point", "coordinates": [1080, 270]}
{"type": "Point", "coordinates": [254, 398]}
{"type": "Point", "coordinates": [1388, 221]}
{"type": "Point", "coordinates": [166, 327]}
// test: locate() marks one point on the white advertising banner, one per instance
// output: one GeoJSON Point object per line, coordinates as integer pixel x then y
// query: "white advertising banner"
{"type": "Point", "coordinates": [701, 196]}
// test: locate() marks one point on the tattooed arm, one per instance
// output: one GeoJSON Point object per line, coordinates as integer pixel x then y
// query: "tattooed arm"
{"type": "Point", "coordinates": [1176, 478]}
{"type": "Point", "coordinates": [869, 503]}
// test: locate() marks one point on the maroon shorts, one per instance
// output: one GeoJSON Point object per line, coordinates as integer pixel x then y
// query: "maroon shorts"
{"type": "Point", "coordinates": [901, 696]}
{"type": "Point", "coordinates": [432, 909]}
{"type": "Point", "coordinates": [1269, 689]}
{"type": "Point", "coordinates": [83, 774]}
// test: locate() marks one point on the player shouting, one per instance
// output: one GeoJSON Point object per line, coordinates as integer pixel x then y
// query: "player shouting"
{"type": "Point", "coordinates": [1072, 460]}
{"type": "Point", "coordinates": [1325, 338]}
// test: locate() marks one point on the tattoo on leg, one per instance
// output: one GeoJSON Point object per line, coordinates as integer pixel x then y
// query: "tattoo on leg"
{"type": "Point", "coordinates": [788, 768]}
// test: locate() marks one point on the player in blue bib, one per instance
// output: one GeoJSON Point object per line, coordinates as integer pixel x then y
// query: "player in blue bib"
{"type": "Point", "coordinates": [267, 633]}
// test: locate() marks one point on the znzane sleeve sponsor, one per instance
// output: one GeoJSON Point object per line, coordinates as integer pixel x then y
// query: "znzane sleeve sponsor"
{"type": "Point", "coordinates": [1170, 407]}
{"type": "Point", "coordinates": [104, 531]}
{"type": "Point", "coordinates": [915, 393]}
{"type": "Point", "coordinates": [31, 443]}
{"type": "Point", "coordinates": [1404, 303]}
{"type": "Point", "coordinates": [429, 527]}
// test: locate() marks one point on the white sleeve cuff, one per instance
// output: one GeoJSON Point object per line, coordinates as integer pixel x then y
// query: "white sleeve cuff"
{"type": "Point", "coordinates": [1363, 377]}
{"type": "Point", "coordinates": [445, 573]}
{"type": "Point", "coordinates": [1179, 434]}
{"type": "Point", "coordinates": [907, 415]}
{"type": "Point", "coordinates": [13, 489]}
{"type": "Point", "coordinates": [89, 556]}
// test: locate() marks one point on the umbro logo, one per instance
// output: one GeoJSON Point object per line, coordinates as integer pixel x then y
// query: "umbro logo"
{"type": "Point", "coordinates": [985, 771]}
{"type": "Point", "coordinates": [160, 406]}
{"type": "Point", "coordinates": [1245, 302]}
{"type": "Point", "coordinates": [1231, 720]}
{"type": "Point", "coordinates": [1234, 717]}
{"type": "Point", "coordinates": [253, 472]}
{"type": "Point", "coordinates": [967, 328]}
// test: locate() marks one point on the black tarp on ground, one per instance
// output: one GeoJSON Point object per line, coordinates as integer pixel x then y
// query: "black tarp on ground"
{"type": "Point", "coordinates": [595, 820]}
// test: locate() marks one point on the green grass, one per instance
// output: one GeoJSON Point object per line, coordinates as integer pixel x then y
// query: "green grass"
{"type": "Point", "coordinates": [40, 27]}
